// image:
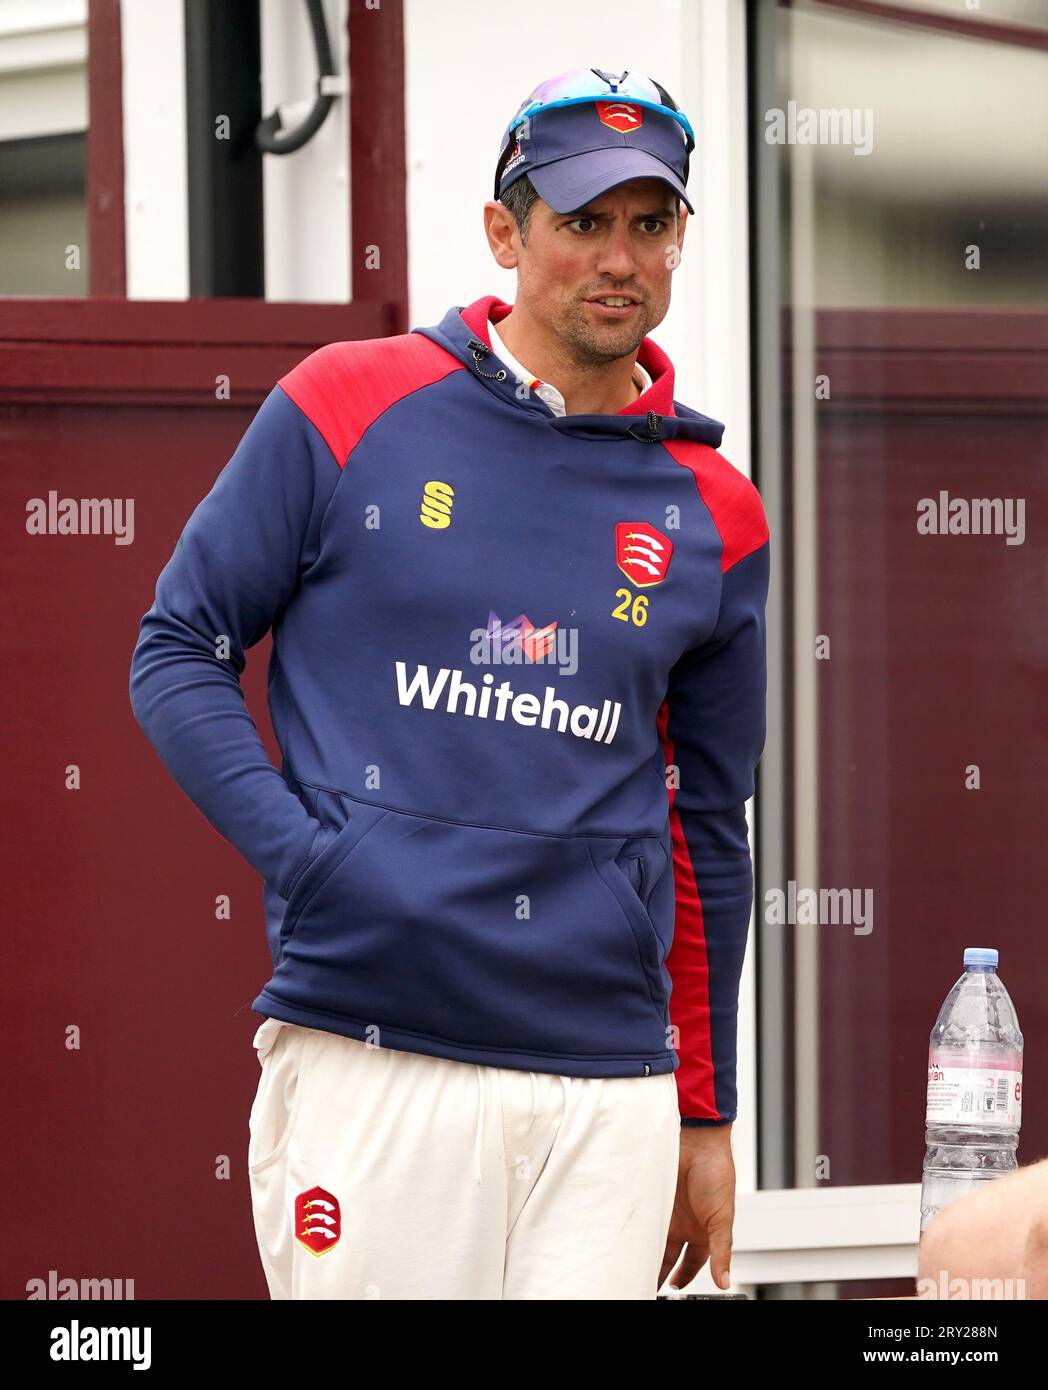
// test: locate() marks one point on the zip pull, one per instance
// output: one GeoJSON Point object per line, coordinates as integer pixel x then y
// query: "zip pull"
{"type": "Point", "coordinates": [480, 351]}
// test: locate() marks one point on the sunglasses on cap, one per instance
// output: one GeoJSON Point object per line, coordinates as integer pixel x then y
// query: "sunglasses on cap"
{"type": "Point", "coordinates": [590, 85]}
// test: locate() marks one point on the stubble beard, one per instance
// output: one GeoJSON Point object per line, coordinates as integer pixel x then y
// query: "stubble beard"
{"type": "Point", "coordinates": [592, 346]}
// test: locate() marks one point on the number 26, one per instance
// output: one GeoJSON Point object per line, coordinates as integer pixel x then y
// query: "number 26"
{"type": "Point", "coordinates": [639, 614]}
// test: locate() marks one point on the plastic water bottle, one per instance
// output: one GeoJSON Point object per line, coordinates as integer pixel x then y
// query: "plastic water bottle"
{"type": "Point", "coordinates": [975, 1081]}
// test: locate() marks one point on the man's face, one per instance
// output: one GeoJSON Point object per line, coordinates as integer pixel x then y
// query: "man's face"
{"type": "Point", "coordinates": [626, 242]}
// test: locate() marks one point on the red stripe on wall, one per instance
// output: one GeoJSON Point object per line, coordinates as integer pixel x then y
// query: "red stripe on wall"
{"type": "Point", "coordinates": [377, 158]}
{"type": "Point", "coordinates": [106, 255]}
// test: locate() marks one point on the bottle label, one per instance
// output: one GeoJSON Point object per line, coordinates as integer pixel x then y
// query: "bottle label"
{"type": "Point", "coordinates": [969, 1095]}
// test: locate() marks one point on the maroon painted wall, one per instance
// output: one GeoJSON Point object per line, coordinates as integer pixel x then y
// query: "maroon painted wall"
{"type": "Point", "coordinates": [109, 1169]}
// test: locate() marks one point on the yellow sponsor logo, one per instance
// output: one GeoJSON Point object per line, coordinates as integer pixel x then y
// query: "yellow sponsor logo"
{"type": "Point", "coordinates": [436, 505]}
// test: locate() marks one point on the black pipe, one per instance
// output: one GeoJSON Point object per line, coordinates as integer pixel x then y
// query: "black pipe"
{"type": "Point", "coordinates": [266, 137]}
{"type": "Point", "coordinates": [224, 168]}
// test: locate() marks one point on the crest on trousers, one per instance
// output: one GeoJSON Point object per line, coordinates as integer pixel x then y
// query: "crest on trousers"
{"type": "Point", "coordinates": [642, 553]}
{"type": "Point", "coordinates": [318, 1220]}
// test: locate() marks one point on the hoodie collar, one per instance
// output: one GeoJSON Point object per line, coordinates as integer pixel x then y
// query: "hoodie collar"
{"type": "Point", "coordinates": [658, 396]}
{"type": "Point", "coordinates": [652, 417]}
{"type": "Point", "coordinates": [545, 390]}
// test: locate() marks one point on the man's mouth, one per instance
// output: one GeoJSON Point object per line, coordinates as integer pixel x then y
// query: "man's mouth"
{"type": "Point", "coordinates": [616, 306]}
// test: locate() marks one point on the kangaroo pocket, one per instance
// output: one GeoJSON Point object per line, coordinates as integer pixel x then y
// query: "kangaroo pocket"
{"type": "Point", "coordinates": [486, 938]}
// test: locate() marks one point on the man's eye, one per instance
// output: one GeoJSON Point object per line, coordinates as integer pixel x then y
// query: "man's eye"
{"type": "Point", "coordinates": [577, 220]}
{"type": "Point", "coordinates": [655, 224]}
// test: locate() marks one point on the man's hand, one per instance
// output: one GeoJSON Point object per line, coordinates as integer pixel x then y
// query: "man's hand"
{"type": "Point", "coordinates": [704, 1207]}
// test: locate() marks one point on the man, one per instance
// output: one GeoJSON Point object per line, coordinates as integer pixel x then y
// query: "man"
{"type": "Point", "coordinates": [518, 682]}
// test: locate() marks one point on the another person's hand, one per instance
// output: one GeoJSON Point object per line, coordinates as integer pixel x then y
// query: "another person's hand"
{"type": "Point", "coordinates": [989, 1241]}
{"type": "Point", "coordinates": [704, 1207]}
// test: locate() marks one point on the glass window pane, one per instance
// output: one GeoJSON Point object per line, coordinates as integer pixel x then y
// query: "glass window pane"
{"type": "Point", "coordinates": [901, 243]}
{"type": "Point", "coordinates": [43, 214]}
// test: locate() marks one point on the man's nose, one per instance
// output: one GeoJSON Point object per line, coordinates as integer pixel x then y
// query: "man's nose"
{"type": "Point", "coordinates": [616, 255]}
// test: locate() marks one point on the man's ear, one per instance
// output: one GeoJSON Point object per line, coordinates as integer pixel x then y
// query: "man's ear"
{"type": "Point", "coordinates": [500, 227]}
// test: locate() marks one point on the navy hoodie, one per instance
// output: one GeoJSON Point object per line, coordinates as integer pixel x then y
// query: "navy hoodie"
{"type": "Point", "coordinates": [518, 684]}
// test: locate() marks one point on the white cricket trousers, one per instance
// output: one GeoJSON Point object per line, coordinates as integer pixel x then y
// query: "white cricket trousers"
{"type": "Point", "coordinates": [385, 1174]}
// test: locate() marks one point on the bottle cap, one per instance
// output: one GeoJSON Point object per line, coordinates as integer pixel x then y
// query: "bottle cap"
{"type": "Point", "coordinates": [980, 955]}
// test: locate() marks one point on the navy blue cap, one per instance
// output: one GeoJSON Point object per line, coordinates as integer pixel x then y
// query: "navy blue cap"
{"type": "Point", "coordinates": [572, 154]}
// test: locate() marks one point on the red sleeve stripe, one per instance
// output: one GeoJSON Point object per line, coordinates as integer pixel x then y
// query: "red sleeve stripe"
{"type": "Point", "coordinates": [688, 966]}
{"type": "Point", "coordinates": [734, 503]}
{"type": "Point", "coordinates": [344, 387]}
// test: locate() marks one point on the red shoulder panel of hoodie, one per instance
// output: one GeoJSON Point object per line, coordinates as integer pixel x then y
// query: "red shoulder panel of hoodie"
{"type": "Point", "coordinates": [733, 501]}
{"type": "Point", "coordinates": [343, 388]}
